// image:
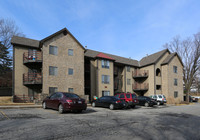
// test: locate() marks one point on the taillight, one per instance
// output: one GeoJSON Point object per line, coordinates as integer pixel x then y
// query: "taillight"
{"type": "Point", "coordinates": [69, 101]}
{"type": "Point", "coordinates": [163, 99]}
{"type": "Point", "coordinates": [118, 101]}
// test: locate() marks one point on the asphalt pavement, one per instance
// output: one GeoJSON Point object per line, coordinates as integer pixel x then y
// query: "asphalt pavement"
{"type": "Point", "coordinates": [143, 123]}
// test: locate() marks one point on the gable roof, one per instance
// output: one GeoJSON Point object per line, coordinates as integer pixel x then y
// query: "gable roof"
{"type": "Point", "coordinates": [16, 40]}
{"type": "Point", "coordinates": [101, 55]}
{"type": "Point", "coordinates": [65, 32]}
{"type": "Point", "coordinates": [170, 57]}
{"type": "Point", "coordinates": [152, 59]}
{"type": "Point", "coordinates": [118, 59]}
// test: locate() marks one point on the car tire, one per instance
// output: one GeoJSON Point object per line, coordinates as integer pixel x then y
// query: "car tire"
{"type": "Point", "coordinates": [111, 107]}
{"type": "Point", "coordinates": [60, 109]}
{"type": "Point", "coordinates": [146, 104]}
{"type": "Point", "coordinates": [44, 106]}
{"type": "Point", "coordinates": [158, 103]}
{"type": "Point", "coordinates": [93, 104]}
{"type": "Point", "coordinates": [79, 111]}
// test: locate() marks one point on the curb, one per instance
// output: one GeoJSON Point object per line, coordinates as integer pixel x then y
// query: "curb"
{"type": "Point", "coordinates": [22, 106]}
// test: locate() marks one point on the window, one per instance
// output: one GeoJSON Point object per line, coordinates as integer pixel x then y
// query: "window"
{"type": "Point", "coordinates": [128, 68]}
{"type": "Point", "coordinates": [128, 81]}
{"type": "Point", "coordinates": [128, 96]}
{"type": "Point", "coordinates": [53, 50]}
{"type": "Point", "coordinates": [52, 90]}
{"type": "Point", "coordinates": [53, 70]}
{"type": "Point", "coordinates": [175, 82]}
{"type": "Point", "coordinates": [175, 69]}
{"type": "Point", "coordinates": [121, 96]}
{"type": "Point", "coordinates": [105, 79]}
{"type": "Point", "coordinates": [70, 52]}
{"type": "Point", "coordinates": [158, 87]}
{"type": "Point", "coordinates": [175, 94]}
{"type": "Point", "coordinates": [70, 71]}
{"type": "Point", "coordinates": [105, 64]}
{"type": "Point", "coordinates": [105, 93]}
{"type": "Point", "coordinates": [71, 90]}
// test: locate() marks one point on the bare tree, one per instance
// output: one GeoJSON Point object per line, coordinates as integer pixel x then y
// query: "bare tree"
{"type": "Point", "coordinates": [189, 51]}
{"type": "Point", "coordinates": [8, 28]}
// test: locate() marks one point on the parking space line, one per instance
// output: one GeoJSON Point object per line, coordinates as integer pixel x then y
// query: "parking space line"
{"type": "Point", "coordinates": [4, 114]}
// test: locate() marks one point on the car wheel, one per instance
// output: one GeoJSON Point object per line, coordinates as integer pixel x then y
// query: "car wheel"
{"type": "Point", "coordinates": [158, 103]}
{"type": "Point", "coordinates": [93, 104]}
{"type": "Point", "coordinates": [60, 109]}
{"type": "Point", "coordinates": [44, 106]}
{"type": "Point", "coordinates": [146, 104]}
{"type": "Point", "coordinates": [111, 106]}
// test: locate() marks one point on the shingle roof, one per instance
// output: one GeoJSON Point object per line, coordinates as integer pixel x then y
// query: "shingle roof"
{"type": "Point", "coordinates": [118, 59]}
{"type": "Point", "coordinates": [25, 41]}
{"type": "Point", "coordinates": [170, 57]}
{"type": "Point", "coordinates": [152, 59]}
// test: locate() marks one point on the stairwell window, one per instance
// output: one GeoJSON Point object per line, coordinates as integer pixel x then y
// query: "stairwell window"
{"type": "Point", "coordinates": [128, 81]}
{"type": "Point", "coordinates": [175, 69]}
{"type": "Point", "coordinates": [105, 64]}
{"type": "Point", "coordinates": [53, 70]}
{"type": "Point", "coordinates": [70, 52]}
{"type": "Point", "coordinates": [175, 82]}
{"type": "Point", "coordinates": [105, 93]}
{"type": "Point", "coordinates": [53, 50]}
{"type": "Point", "coordinates": [105, 79]}
{"type": "Point", "coordinates": [128, 68]}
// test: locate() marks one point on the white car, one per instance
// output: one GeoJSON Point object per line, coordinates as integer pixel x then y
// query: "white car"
{"type": "Point", "coordinates": [159, 98]}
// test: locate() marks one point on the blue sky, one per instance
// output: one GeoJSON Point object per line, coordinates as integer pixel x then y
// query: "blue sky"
{"type": "Point", "coordinates": [128, 28]}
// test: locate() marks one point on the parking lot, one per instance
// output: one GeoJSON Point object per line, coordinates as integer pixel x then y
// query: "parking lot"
{"type": "Point", "coordinates": [159, 122]}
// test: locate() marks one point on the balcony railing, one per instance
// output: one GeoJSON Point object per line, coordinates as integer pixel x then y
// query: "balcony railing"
{"type": "Point", "coordinates": [138, 86]}
{"type": "Point", "coordinates": [32, 57]}
{"type": "Point", "coordinates": [32, 78]}
{"type": "Point", "coordinates": [140, 73]}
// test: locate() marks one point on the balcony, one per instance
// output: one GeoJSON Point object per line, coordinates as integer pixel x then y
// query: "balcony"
{"type": "Point", "coordinates": [140, 87]}
{"type": "Point", "coordinates": [32, 78]}
{"type": "Point", "coordinates": [30, 57]}
{"type": "Point", "coordinates": [140, 74]}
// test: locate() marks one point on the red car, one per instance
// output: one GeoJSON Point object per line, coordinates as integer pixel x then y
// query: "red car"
{"type": "Point", "coordinates": [129, 98]}
{"type": "Point", "coordinates": [63, 101]}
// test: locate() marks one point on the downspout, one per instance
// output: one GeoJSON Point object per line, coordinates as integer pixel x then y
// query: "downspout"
{"type": "Point", "coordinates": [154, 80]}
{"type": "Point", "coordinates": [125, 79]}
{"type": "Point", "coordinates": [97, 78]}
{"type": "Point", "coordinates": [13, 75]}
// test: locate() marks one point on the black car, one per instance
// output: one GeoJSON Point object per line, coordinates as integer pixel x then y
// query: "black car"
{"type": "Point", "coordinates": [146, 101]}
{"type": "Point", "coordinates": [111, 102]}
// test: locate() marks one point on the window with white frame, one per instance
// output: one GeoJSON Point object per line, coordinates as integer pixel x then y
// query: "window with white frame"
{"type": "Point", "coordinates": [53, 50]}
{"type": "Point", "coordinates": [175, 94]}
{"type": "Point", "coordinates": [105, 79]}
{"type": "Point", "coordinates": [175, 81]}
{"type": "Point", "coordinates": [175, 69]}
{"type": "Point", "coordinates": [70, 52]}
{"type": "Point", "coordinates": [53, 70]}
{"type": "Point", "coordinates": [70, 71]}
{"type": "Point", "coordinates": [105, 64]}
{"type": "Point", "coordinates": [128, 68]}
{"type": "Point", "coordinates": [128, 81]}
{"type": "Point", "coordinates": [105, 93]}
{"type": "Point", "coordinates": [70, 90]}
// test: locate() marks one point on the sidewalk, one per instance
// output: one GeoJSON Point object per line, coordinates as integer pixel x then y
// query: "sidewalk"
{"type": "Point", "coordinates": [22, 105]}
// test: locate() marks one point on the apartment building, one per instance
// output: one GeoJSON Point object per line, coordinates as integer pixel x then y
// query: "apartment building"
{"type": "Point", "coordinates": [41, 67]}
{"type": "Point", "coordinates": [60, 63]}
{"type": "Point", "coordinates": [159, 73]}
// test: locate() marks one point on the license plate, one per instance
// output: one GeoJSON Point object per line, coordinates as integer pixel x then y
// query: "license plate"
{"type": "Point", "coordinates": [79, 102]}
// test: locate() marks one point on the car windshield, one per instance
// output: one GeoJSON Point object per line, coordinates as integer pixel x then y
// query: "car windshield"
{"type": "Point", "coordinates": [160, 96]}
{"type": "Point", "coordinates": [128, 96]}
{"type": "Point", "coordinates": [134, 96]}
{"type": "Point", "coordinates": [69, 95]}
